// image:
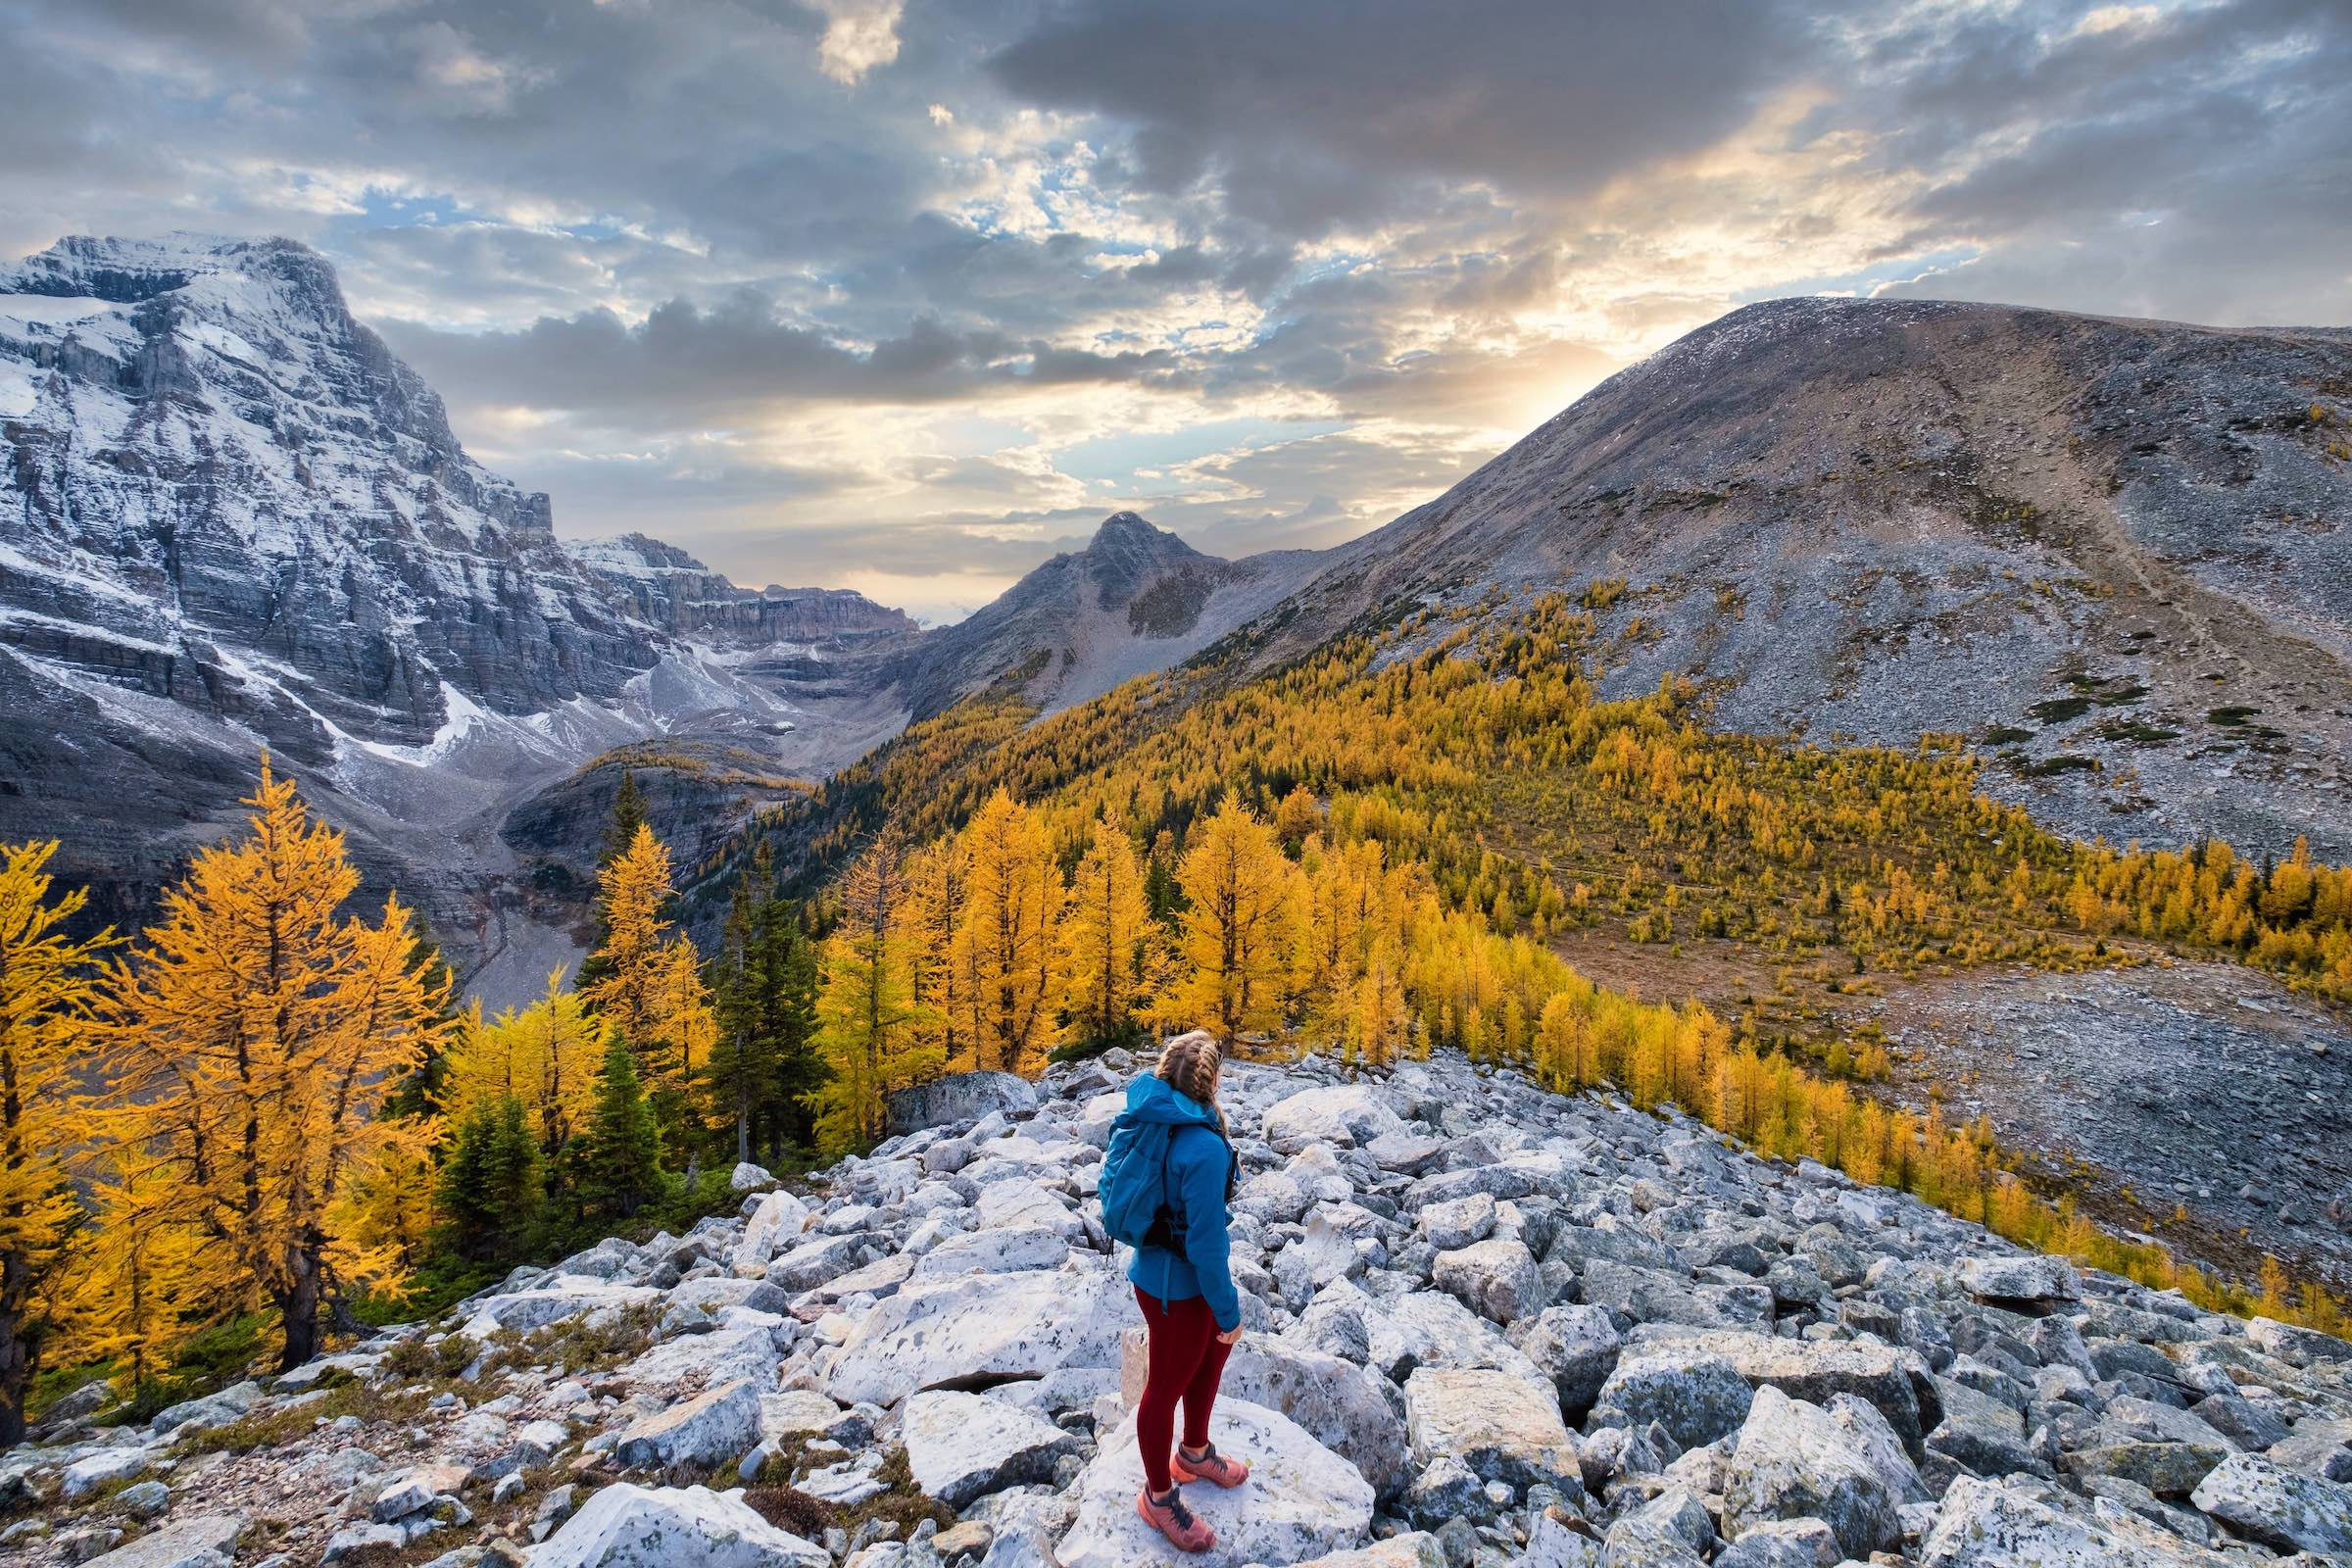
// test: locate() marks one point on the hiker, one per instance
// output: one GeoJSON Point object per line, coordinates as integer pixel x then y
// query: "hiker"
{"type": "Point", "coordinates": [1167, 1190]}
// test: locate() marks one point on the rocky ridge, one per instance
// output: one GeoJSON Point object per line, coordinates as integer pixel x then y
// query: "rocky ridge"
{"type": "Point", "coordinates": [1489, 1327]}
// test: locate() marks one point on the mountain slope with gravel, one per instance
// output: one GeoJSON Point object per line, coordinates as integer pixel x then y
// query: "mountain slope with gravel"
{"type": "Point", "coordinates": [1487, 1326]}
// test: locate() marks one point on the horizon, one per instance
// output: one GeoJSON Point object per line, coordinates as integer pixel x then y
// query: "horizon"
{"type": "Point", "coordinates": [907, 297]}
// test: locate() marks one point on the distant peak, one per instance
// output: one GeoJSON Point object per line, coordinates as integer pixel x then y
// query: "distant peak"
{"type": "Point", "coordinates": [1129, 525]}
{"type": "Point", "coordinates": [1129, 536]}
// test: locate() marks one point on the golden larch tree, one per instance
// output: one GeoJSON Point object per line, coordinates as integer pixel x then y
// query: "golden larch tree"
{"type": "Point", "coordinates": [867, 1015]}
{"type": "Point", "coordinates": [1103, 937]}
{"type": "Point", "coordinates": [544, 1057]}
{"type": "Point", "coordinates": [648, 983]}
{"type": "Point", "coordinates": [937, 888]}
{"type": "Point", "coordinates": [143, 1275]}
{"type": "Point", "coordinates": [46, 987]}
{"type": "Point", "coordinates": [252, 1036]}
{"type": "Point", "coordinates": [1005, 939]}
{"type": "Point", "coordinates": [1236, 937]}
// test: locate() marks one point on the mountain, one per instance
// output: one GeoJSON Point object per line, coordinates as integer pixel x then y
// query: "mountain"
{"type": "Point", "coordinates": [1136, 599]}
{"type": "Point", "coordinates": [235, 520]}
{"type": "Point", "coordinates": [2112, 556]}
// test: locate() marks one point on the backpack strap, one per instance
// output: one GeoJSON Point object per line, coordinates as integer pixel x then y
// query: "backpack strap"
{"type": "Point", "coordinates": [1167, 1228]}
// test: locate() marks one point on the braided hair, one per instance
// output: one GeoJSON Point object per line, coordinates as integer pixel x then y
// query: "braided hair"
{"type": "Point", "coordinates": [1189, 1066]}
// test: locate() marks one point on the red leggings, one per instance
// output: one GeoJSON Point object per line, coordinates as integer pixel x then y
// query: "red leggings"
{"type": "Point", "coordinates": [1186, 1362]}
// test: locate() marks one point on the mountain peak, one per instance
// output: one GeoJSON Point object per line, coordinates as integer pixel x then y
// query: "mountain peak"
{"type": "Point", "coordinates": [1125, 530]}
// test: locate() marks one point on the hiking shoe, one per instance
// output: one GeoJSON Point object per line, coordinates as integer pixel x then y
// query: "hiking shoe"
{"type": "Point", "coordinates": [1175, 1521]}
{"type": "Point", "coordinates": [1210, 1466]}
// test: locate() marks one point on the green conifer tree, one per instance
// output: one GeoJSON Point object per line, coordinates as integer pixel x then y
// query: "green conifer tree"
{"type": "Point", "coordinates": [619, 1158]}
{"type": "Point", "coordinates": [493, 1184]}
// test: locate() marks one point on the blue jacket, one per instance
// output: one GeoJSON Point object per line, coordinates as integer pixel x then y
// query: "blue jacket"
{"type": "Point", "coordinates": [1200, 1172]}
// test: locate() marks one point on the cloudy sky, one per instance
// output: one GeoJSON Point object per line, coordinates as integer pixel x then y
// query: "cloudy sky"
{"type": "Point", "coordinates": [906, 294]}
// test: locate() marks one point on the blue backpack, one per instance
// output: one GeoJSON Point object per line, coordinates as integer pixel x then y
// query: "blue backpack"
{"type": "Point", "coordinates": [1137, 1204]}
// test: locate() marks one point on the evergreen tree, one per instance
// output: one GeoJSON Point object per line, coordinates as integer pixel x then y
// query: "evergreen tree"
{"type": "Point", "coordinates": [766, 1062]}
{"type": "Point", "coordinates": [45, 992]}
{"type": "Point", "coordinates": [617, 1159]}
{"type": "Point", "coordinates": [492, 1184]}
{"type": "Point", "coordinates": [628, 816]}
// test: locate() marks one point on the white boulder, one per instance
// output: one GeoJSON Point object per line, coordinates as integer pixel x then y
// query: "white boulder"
{"type": "Point", "coordinates": [626, 1526]}
{"type": "Point", "coordinates": [1501, 1427]}
{"type": "Point", "coordinates": [938, 1332]}
{"type": "Point", "coordinates": [1348, 1114]}
{"type": "Point", "coordinates": [711, 1429]}
{"type": "Point", "coordinates": [1302, 1500]}
{"type": "Point", "coordinates": [963, 1447]}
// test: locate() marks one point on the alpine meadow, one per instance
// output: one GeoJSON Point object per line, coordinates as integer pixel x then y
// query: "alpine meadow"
{"type": "Point", "coordinates": [1608, 819]}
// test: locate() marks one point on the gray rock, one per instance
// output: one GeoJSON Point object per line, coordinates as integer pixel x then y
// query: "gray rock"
{"type": "Point", "coordinates": [962, 1096]}
{"type": "Point", "coordinates": [2292, 1342]}
{"type": "Point", "coordinates": [962, 1446]}
{"type": "Point", "coordinates": [149, 1500]}
{"type": "Point", "coordinates": [1984, 1524]}
{"type": "Point", "coordinates": [1496, 1424]}
{"type": "Point", "coordinates": [934, 1333]}
{"type": "Point", "coordinates": [1783, 1543]}
{"type": "Point", "coordinates": [2025, 1280]}
{"type": "Point", "coordinates": [1797, 1461]}
{"type": "Point", "coordinates": [1697, 1398]}
{"type": "Point", "coordinates": [1576, 1346]}
{"type": "Point", "coordinates": [626, 1526]}
{"type": "Point", "coordinates": [203, 1542]}
{"type": "Point", "coordinates": [1497, 1279]}
{"type": "Point", "coordinates": [2277, 1506]}
{"type": "Point", "coordinates": [92, 1471]}
{"type": "Point", "coordinates": [709, 1430]}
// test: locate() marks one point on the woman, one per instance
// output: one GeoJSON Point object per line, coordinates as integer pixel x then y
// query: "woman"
{"type": "Point", "coordinates": [1186, 1288]}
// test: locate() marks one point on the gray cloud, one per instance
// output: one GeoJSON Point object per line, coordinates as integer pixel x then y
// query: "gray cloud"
{"type": "Point", "coordinates": [1321, 113]}
{"type": "Point", "coordinates": [674, 264]}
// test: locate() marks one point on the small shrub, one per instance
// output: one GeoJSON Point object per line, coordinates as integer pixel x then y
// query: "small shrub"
{"type": "Point", "coordinates": [790, 1508]}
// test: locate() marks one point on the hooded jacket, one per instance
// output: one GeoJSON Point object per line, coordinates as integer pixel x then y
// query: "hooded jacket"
{"type": "Point", "coordinates": [1200, 1180]}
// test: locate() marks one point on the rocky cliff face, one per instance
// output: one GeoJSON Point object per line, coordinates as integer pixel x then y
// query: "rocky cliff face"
{"type": "Point", "coordinates": [230, 518]}
{"type": "Point", "coordinates": [665, 587]}
{"type": "Point", "coordinates": [1486, 1325]}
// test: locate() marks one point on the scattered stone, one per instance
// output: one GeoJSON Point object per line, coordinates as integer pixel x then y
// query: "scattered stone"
{"type": "Point", "coordinates": [2025, 1280]}
{"type": "Point", "coordinates": [1797, 1461]}
{"type": "Point", "coordinates": [1496, 1425]}
{"type": "Point", "coordinates": [103, 1468]}
{"type": "Point", "coordinates": [958, 1098]}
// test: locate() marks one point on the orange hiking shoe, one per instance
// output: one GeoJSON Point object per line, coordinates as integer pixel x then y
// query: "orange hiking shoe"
{"type": "Point", "coordinates": [1175, 1521]}
{"type": "Point", "coordinates": [1210, 1466]}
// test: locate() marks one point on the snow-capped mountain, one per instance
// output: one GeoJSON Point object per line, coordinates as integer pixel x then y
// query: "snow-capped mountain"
{"type": "Point", "coordinates": [230, 518]}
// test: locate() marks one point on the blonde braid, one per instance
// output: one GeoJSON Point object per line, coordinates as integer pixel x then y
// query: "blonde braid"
{"type": "Point", "coordinates": [1189, 1066]}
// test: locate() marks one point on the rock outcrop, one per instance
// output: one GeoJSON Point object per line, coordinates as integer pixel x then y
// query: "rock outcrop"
{"type": "Point", "coordinates": [1870, 1379]}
